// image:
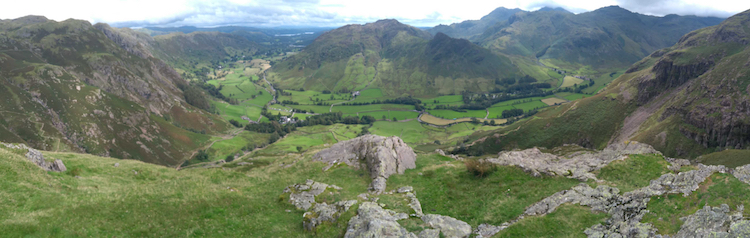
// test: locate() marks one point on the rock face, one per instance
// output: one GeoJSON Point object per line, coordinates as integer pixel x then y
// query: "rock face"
{"type": "Point", "coordinates": [302, 196]}
{"type": "Point", "coordinates": [381, 156]}
{"type": "Point", "coordinates": [374, 221]}
{"type": "Point", "coordinates": [450, 227]}
{"type": "Point", "coordinates": [323, 212]}
{"type": "Point", "coordinates": [37, 158]}
{"type": "Point", "coordinates": [579, 166]}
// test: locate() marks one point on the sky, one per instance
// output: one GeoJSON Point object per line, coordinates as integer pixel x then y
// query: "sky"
{"type": "Point", "coordinates": [328, 13]}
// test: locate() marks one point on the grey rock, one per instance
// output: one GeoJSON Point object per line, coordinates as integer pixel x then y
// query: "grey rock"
{"type": "Point", "coordinates": [323, 212]}
{"type": "Point", "coordinates": [381, 156]}
{"type": "Point", "coordinates": [302, 196]}
{"type": "Point", "coordinates": [405, 189]}
{"type": "Point", "coordinates": [37, 158]}
{"type": "Point", "coordinates": [709, 222]}
{"type": "Point", "coordinates": [414, 204]}
{"type": "Point", "coordinates": [448, 226]}
{"type": "Point", "coordinates": [487, 230]}
{"type": "Point", "coordinates": [440, 152]}
{"type": "Point", "coordinates": [742, 173]}
{"type": "Point", "coordinates": [579, 166]}
{"type": "Point", "coordinates": [374, 221]}
{"type": "Point", "coordinates": [740, 229]}
{"type": "Point", "coordinates": [362, 196]}
{"type": "Point", "coordinates": [429, 233]}
{"type": "Point", "coordinates": [117, 165]}
{"type": "Point", "coordinates": [378, 185]}
{"type": "Point", "coordinates": [676, 164]}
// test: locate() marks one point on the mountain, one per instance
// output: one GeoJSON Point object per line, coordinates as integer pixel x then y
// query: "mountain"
{"type": "Point", "coordinates": [397, 58]}
{"type": "Point", "coordinates": [470, 28]}
{"type": "Point", "coordinates": [690, 99]}
{"type": "Point", "coordinates": [591, 43]}
{"type": "Point", "coordinates": [71, 86]}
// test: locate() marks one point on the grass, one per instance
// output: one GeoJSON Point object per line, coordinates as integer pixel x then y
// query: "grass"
{"type": "Point", "coordinates": [452, 100]}
{"type": "Point", "coordinates": [496, 112]}
{"type": "Point", "coordinates": [158, 201]}
{"type": "Point", "coordinates": [730, 158]}
{"type": "Point", "coordinates": [221, 149]}
{"type": "Point", "coordinates": [666, 211]}
{"type": "Point", "coordinates": [451, 114]}
{"type": "Point", "coordinates": [553, 101]}
{"type": "Point", "coordinates": [235, 112]}
{"type": "Point", "coordinates": [635, 172]}
{"type": "Point", "coordinates": [501, 196]}
{"type": "Point", "coordinates": [571, 81]}
{"type": "Point", "coordinates": [567, 221]}
{"type": "Point", "coordinates": [575, 96]}
{"type": "Point", "coordinates": [528, 106]}
{"type": "Point", "coordinates": [371, 107]}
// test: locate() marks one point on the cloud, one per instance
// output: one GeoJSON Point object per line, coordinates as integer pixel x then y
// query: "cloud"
{"type": "Point", "coordinates": [332, 13]}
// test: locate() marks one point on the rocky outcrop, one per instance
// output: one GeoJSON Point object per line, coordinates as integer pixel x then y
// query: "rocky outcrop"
{"type": "Point", "coordinates": [487, 230]}
{"type": "Point", "coordinates": [323, 212]}
{"type": "Point", "coordinates": [302, 196]}
{"type": "Point", "coordinates": [374, 221]}
{"type": "Point", "coordinates": [381, 156]}
{"type": "Point", "coordinates": [712, 222]}
{"type": "Point", "coordinates": [448, 226]}
{"type": "Point", "coordinates": [579, 166]}
{"type": "Point", "coordinates": [38, 158]}
{"type": "Point", "coordinates": [742, 173]}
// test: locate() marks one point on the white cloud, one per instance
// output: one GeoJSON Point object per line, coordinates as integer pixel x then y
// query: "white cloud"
{"type": "Point", "coordinates": [328, 12]}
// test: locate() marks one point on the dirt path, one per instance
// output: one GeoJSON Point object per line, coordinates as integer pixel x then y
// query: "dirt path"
{"type": "Point", "coordinates": [488, 113]}
{"type": "Point", "coordinates": [231, 135]}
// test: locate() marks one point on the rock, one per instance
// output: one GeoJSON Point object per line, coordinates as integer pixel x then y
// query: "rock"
{"type": "Point", "coordinates": [381, 156]}
{"type": "Point", "coordinates": [117, 165]}
{"type": "Point", "coordinates": [740, 229]}
{"type": "Point", "coordinates": [405, 189]}
{"type": "Point", "coordinates": [440, 152]}
{"type": "Point", "coordinates": [450, 227]}
{"type": "Point", "coordinates": [374, 221]}
{"type": "Point", "coordinates": [742, 173]}
{"type": "Point", "coordinates": [710, 222]}
{"type": "Point", "coordinates": [302, 196]}
{"type": "Point", "coordinates": [362, 196]}
{"type": "Point", "coordinates": [378, 185]}
{"type": "Point", "coordinates": [414, 204]}
{"type": "Point", "coordinates": [323, 212]}
{"type": "Point", "coordinates": [579, 166]}
{"type": "Point", "coordinates": [486, 230]}
{"type": "Point", "coordinates": [676, 164]}
{"type": "Point", "coordinates": [429, 233]}
{"type": "Point", "coordinates": [37, 158]}
{"type": "Point", "coordinates": [582, 194]}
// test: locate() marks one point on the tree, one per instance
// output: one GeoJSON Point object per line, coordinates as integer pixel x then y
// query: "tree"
{"type": "Point", "coordinates": [299, 149]}
{"type": "Point", "coordinates": [394, 119]}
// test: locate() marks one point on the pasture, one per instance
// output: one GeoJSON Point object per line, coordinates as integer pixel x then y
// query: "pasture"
{"type": "Point", "coordinates": [553, 101]}
{"type": "Point", "coordinates": [570, 81]}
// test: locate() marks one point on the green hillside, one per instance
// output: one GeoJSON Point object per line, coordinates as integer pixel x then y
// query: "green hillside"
{"type": "Point", "coordinates": [68, 86]}
{"type": "Point", "coordinates": [470, 28]}
{"type": "Point", "coordinates": [686, 100]}
{"type": "Point", "coordinates": [592, 44]}
{"type": "Point", "coordinates": [397, 58]}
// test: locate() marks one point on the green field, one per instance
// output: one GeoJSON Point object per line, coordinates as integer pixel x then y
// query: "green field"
{"type": "Point", "coordinates": [389, 115]}
{"type": "Point", "coordinates": [371, 107]}
{"type": "Point", "coordinates": [497, 112]}
{"type": "Point", "coordinates": [528, 106]}
{"type": "Point", "coordinates": [311, 108]}
{"type": "Point", "coordinates": [221, 149]}
{"type": "Point", "coordinates": [451, 100]}
{"type": "Point", "coordinates": [310, 97]}
{"type": "Point", "coordinates": [235, 112]}
{"type": "Point", "coordinates": [369, 95]}
{"type": "Point", "coordinates": [576, 96]}
{"type": "Point", "coordinates": [450, 114]}
{"type": "Point", "coordinates": [413, 132]}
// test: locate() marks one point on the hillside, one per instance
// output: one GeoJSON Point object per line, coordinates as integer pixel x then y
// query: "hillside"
{"type": "Point", "coordinates": [397, 58]}
{"type": "Point", "coordinates": [591, 44]}
{"type": "Point", "coordinates": [68, 86]}
{"type": "Point", "coordinates": [686, 100]}
{"type": "Point", "coordinates": [469, 28]}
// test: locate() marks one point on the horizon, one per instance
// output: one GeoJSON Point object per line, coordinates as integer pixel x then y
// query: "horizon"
{"type": "Point", "coordinates": [324, 14]}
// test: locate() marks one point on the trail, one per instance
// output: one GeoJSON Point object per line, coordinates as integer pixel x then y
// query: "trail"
{"type": "Point", "coordinates": [488, 113]}
{"type": "Point", "coordinates": [231, 135]}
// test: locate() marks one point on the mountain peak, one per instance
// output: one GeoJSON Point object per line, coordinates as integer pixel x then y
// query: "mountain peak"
{"type": "Point", "coordinates": [550, 9]}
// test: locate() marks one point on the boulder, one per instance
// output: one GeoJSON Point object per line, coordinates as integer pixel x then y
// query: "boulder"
{"type": "Point", "coordinates": [742, 173]}
{"type": "Point", "coordinates": [381, 156]}
{"type": "Point", "coordinates": [374, 221]}
{"type": "Point", "coordinates": [414, 204]}
{"type": "Point", "coordinates": [302, 196]}
{"type": "Point", "coordinates": [448, 226]}
{"type": "Point", "coordinates": [429, 233]}
{"type": "Point", "coordinates": [405, 189]}
{"type": "Point", "coordinates": [323, 212]}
